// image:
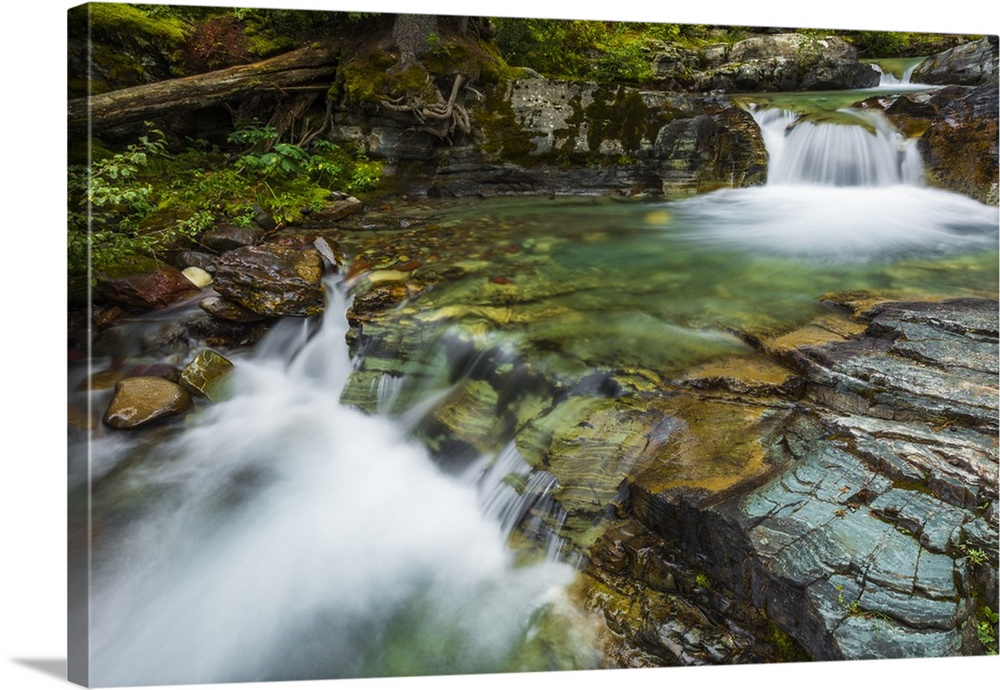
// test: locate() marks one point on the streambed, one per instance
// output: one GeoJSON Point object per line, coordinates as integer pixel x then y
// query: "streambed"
{"type": "Point", "coordinates": [282, 533]}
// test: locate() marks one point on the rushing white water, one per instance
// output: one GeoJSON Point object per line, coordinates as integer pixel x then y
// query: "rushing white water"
{"type": "Point", "coordinates": [285, 536]}
{"type": "Point", "coordinates": [887, 78]}
{"type": "Point", "coordinates": [841, 191]}
{"type": "Point", "coordinates": [864, 153]}
{"type": "Point", "coordinates": [511, 505]}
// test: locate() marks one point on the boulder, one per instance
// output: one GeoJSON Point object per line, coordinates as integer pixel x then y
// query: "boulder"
{"type": "Point", "coordinates": [155, 289]}
{"type": "Point", "coordinates": [202, 260]}
{"type": "Point", "coordinates": [227, 310]}
{"type": "Point", "coordinates": [142, 400]}
{"type": "Point", "coordinates": [198, 276]}
{"type": "Point", "coordinates": [970, 64]}
{"type": "Point", "coordinates": [787, 62]}
{"type": "Point", "coordinates": [335, 210]}
{"type": "Point", "coordinates": [229, 236]}
{"type": "Point", "coordinates": [706, 152]}
{"type": "Point", "coordinates": [959, 147]}
{"type": "Point", "coordinates": [273, 279]}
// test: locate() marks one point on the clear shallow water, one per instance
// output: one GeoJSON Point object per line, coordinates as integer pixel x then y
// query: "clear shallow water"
{"type": "Point", "coordinates": [282, 535]}
{"type": "Point", "coordinates": [664, 286]}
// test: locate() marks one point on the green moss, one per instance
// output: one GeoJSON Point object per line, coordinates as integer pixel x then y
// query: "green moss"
{"type": "Point", "coordinates": [264, 44]}
{"type": "Point", "coordinates": [503, 136]}
{"type": "Point", "coordinates": [129, 265]}
{"type": "Point", "coordinates": [121, 21]}
{"type": "Point", "coordinates": [784, 644]}
{"type": "Point", "coordinates": [622, 115]}
{"type": "Point", "coordinates": [364, 79]}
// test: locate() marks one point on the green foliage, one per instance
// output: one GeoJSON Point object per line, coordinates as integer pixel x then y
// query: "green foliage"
{"type": "Point", "coordinates": [880, 43]}
{"type": "Point", "coordinates": [144, 201]}
{"type": "Point", "coordinates": [580, 49]}
{"type": "Point", "coordinates": [108, 201]}
{"type": "Point", "coordinates": [624, 59]}
{"type": "Point", "coordinates": [986, 630]}
{"type": "Point", "coordinates": [558, 48]}
{"type": "Point", "coordinates": [974, 556]}
{"type": "Point", "coordinates": [886, 44]}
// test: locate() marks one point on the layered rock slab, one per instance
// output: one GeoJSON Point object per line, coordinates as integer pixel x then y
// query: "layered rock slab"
{"type": "Point", "coordinates": [856, 541]}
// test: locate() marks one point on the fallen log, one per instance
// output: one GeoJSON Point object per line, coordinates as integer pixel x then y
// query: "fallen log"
{"type": "Point", "coordinates": [148, 101]}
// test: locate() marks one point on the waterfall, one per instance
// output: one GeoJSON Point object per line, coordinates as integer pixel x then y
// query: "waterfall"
{"type": "Point", "coordinates": [519, 496]}
{"type": "Point", "coordinates": [284, 536]}
{"type": "Point", "coordinates": [897, 72]}
{"type": "Point", "coordinates": [842, 186]}
{"type": "Point", "coordinates": [861, 149]}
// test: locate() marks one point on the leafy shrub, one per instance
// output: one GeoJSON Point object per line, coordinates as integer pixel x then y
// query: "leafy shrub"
{"type": "Point", "coordinates": [144, 201]}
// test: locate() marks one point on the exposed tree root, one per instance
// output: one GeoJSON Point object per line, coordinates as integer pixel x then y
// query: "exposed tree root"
{"type": "Point", "coordinates": [441, 118]}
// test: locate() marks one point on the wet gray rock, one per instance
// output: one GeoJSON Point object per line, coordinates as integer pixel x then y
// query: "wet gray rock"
{"type": "Point", "coordinates": [227, 310]}
{"type": "Point", "coordinates": [934, 362]}
{"type": "Point", "coordinates": [201, 260]}
{"type": "Point", "coordinates": [882, 480]}
{"type": "Point", "coordinates": [970, 64]}
{"type": "Point", "coordinates": [225, 237]}
{"type": "Point", "coordinates": [335, 211]}
{"type": "Point", "coordinates": [707, 152]}
{"type": "Point", "coordinates": [786, 62]}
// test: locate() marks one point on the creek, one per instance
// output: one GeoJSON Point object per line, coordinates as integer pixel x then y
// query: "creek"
{"type": "Point", "coordinates": [281, 534]}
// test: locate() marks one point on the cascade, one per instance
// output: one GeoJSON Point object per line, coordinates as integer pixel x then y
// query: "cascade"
{"type": "Point", "coordinates": [512, 506]}
{"type": "Point", "coordinates": [285, 536]}
{"type": "Point", "coordinates": [842, 186]}
{"type": "Point", "coordinates": [904, 66]}
{"type": "Point", "coordinates": [861, 149]}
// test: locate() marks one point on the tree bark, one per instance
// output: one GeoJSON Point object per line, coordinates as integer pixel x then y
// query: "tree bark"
{"type": "Point", "coordinates": [411, 36]}
{"type": "Point", "coordinates": [149, 101]}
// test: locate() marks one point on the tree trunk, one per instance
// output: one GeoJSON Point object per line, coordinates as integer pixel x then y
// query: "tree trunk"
{"type": "Point", "coordinates": [411, 35]}
{"type": "Point", "coordinates": [149, 101]}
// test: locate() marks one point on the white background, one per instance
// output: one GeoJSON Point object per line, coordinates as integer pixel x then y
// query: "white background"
{"type": "Point", "coordinates": [32, 222]}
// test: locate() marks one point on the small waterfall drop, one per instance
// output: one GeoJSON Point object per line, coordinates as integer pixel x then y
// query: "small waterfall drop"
{"type": "Point", "coordinates": [841, 186]}
{"type": "Point", "coordinates": [897, 72]}
{"type": "Point", "coordinates": [285, 536]}
{"type": "Point", "coordinates": [519, 496]}
{"type": "Point", "coordinates": [861, 149]}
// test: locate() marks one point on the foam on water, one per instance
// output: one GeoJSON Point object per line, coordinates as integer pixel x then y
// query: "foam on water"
{"type": "Point", "coordinates": [285, 536]}
{"type": "Point", "coordinates": [836, 191]}
{"type": "Point", "coordinates": [854, 224]}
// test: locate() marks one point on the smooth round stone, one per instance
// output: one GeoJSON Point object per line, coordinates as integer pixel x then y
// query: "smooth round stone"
{"type": "Point", "coordinates": [140, 400]}
{"type": "Point", "coordinates": [198, 276]}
